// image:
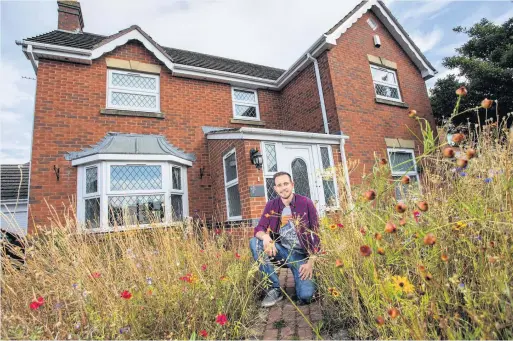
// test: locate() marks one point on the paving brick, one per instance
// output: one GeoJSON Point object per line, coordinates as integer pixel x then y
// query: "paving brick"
{"type": "Point", "coordinates": [305, 333]}
{"type": "Point", "coordinates": [287, 332]}
{"type": "Point", "coordinates": [270, 334]}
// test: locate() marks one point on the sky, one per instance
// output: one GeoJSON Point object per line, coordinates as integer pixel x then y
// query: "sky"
{"type": "Point", "coordinates": [269, 32]}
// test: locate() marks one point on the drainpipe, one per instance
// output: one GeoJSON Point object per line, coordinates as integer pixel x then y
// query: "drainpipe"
{"type": "Point", "coordinates": [346, 173]}
{"type": "Point", "coordinates": [31, 58]}
{"type": "Point", "coordinates": [321, 95]}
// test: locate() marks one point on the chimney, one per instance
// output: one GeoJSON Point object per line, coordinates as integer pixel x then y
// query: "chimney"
{"type": "Point", "coordinates": [70, 16]}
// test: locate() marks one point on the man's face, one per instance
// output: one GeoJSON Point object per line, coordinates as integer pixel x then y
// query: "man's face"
{"type": "Point", "coordinates": [283, 185]}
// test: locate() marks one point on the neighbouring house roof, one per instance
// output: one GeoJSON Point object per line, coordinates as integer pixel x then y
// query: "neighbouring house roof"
{"type": "Point", "coordinates": [12, 176]}
{"type": "Point", "coordinates": [88, 41]}
{"type": "Point", "coordinates": [132, 144]}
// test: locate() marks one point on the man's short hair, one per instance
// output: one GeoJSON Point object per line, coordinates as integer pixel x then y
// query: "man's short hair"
{"type": "Point", "coordinates": [280, 174]}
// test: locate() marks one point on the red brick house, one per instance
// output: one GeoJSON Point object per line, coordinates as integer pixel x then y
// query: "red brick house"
{"type": "Point", "coordinates": [125, 125]}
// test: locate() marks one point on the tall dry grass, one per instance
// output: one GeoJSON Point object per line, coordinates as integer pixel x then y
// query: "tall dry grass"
{"type": "Point", "coordinates": [445, 272]}
{"type": "Point", "coordinates": [141, 284]}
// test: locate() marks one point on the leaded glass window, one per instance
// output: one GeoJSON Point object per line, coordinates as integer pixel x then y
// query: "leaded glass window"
{"type": "Point", "coordinates": [232, 186]}
{"type": "Point", "coordinates": [385, 83]}
{"type": "Point", "coordinates": [176, 178]}
{"type": "Point", "coordinates": [135, 177]}
{"type": "Point", "coordinates": [133, 91]}
{"type": "Point", "coordinates": [300, 177]}
{"type": "Point", "coordinates": [245, 104]}
{"type": "Point", "coordinates": [328, 181]}
{"type": "Point", "coordinates": [136, 210]}
{"type": "Point", "coordinates": [269, 187]}
{"type": "Point", "coordinates": [92, 213]}
{"type": "Point", "coordinates": [402, 162]}
{"type": "Point", "coordinates": [91, 180]}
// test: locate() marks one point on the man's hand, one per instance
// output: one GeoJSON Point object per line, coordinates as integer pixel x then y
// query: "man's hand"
{"type": "Point", "coordinates": [306, 270]}
{"type": "Point", "coordinates": [269, 247]}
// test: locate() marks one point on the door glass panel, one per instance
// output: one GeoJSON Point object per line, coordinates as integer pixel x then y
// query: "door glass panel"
{"type": "Point", "coordinates": [300, 177]}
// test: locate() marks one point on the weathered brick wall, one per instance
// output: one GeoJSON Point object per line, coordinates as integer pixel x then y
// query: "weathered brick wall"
{"type": "Point", "coordinates": [67, 118]}
{"type": "Point", "coordinates": [366, 122]}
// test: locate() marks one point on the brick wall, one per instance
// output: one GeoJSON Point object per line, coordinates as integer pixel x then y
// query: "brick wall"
{"type": "Point", "coordinates": [366, 122]}
{"type": "Point", "coordinates": [67, 118]}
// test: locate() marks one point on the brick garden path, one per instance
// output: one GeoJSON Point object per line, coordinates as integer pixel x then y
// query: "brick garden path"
{"type": "Point", "coordinates": [283, 321]}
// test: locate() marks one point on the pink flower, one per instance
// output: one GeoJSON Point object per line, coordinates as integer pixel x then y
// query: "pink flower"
{"type": "Point", "coordinates": [221, 319]}
{"type": "Point", "coordinates": [96, 275]}
{"type": "Point", "coordinates": [416, 215]}
{"type": "Point", "coordinates": [203, 333]}
{"type": "Point", "coordinates": [204, 267]}
{"type": "Point", "coordinates": [340, 225]}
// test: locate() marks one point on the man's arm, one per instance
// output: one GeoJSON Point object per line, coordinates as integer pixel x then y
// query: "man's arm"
{"type": "Point", "coordinates": [261, 231]}
{"type": "Point", "coordinates": [313, 234]}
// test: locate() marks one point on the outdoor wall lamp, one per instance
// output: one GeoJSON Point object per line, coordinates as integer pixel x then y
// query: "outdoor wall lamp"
{"type": "Point", "coordinates": [256, 158]}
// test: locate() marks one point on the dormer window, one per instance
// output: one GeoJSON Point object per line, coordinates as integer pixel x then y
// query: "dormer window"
{"type": "Point", "coordinates": [245, 104]}
{"type": "Point", "coordinates": [133, 91]}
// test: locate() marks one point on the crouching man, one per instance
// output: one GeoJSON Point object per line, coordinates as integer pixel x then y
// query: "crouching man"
{"type": "Point", "coordinates": [287, 234]}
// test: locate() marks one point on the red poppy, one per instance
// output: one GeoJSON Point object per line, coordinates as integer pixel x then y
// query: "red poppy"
{"type": "Point", "coordinates": [187, 278]}
{"type": "Point", "coordinates": [34, 305]}
{"type": "Point", "coordinates": [221, 319]}
{"type": "Point", "coordinates": [237, 255]}
{"type": "Point", "coordinates": [96, 275]}
{"type": "Point", "coordinates": [126, 295]}
{"type": "Point", "coordinates": [40, 300]}
{"type": "Point", "coordinates": [365, 250]}
{"type": "Point", "coordinates": [218, 231]}
{"type": "Point", "coordinates": [203, 333]}
{"type": "Point", "coordinates": [204, 267]}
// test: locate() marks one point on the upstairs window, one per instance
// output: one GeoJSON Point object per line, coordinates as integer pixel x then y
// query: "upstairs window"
{"type": "Point", "coordinates": [133, 91]}
{"type": "Point", "coordinates": [245, 104]}
{"type": "Point", "coordinates": [386, 85]}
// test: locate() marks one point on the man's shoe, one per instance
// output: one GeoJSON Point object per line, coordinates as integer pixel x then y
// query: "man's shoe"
{"type": "Point", "coordinates": [272, 297]}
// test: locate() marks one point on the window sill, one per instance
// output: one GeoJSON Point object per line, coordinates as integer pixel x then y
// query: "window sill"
{"type": "Point", "coordinates": [248, 122]}
{"type": "Point", "coordinates": [118, 112]}
{"type": "Point", "coordinates": [393, 103]}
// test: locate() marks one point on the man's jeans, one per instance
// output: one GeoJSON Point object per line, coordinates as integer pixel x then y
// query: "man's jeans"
{"type": "Point", "coordinates": [304, 288]}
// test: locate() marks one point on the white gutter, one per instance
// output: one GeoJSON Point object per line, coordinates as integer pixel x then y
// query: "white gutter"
{"type": "Point", "coordinates": [247, 133]}
{"type": "Point", "coordinates": [346, 173]}
{"type": "Point", "coordinates": [31, 58]}
{"type": "Point", "coordinates": [56, 48]}
{"type": "Point", "coordinates": [321, 95]}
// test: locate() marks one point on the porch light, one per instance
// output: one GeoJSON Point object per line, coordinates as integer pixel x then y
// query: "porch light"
{"type": "Point", "coordinates": [256, 158]}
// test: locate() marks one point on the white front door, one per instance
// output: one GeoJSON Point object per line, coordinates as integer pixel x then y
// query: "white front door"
{"type": "Point", "coordinates": [298, 160]}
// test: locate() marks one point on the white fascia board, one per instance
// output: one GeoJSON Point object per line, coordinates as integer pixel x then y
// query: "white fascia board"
{"type": "Point", "coordinates": [350, 21]}
{"type": "Point", "coordinates": [123, 39]}
{"type": "Point", "coordinates": [130, 157]}
{"type": "Point", "coordinates": [187, 71]}
{"type": "Point", "coordinates": [406, 43]}
{"type": "Point", "coordinates": [57, 48]}
{"type": "Point", "coordinates": [66, 56]}
{"type": "Point", "coordinates": [259, 134]}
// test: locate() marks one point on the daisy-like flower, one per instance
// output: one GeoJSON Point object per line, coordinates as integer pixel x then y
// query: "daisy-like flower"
{"type": "Point", "coordinates": [333, 292]}
{"type": "Point", "coordinates": [332, 227]}
{"type": "Point", "coordinates": [378, 236]}
{"type": "Point", "coordinates": [459, 225]}
{"type": "Point", "coordinates": [393, 312]}
{"type": "Point", "coordinates": [401, 284]}
{"type": "Point", "coordinates": [221, 319]}
{"type": "Point", "coordinates": [381, 251]}
{"type": "Point", "coordinates": [338, 263]}
{"type": "Point", "coordinates": [444, 257]}
{"type": "Point", "coordinates": [429, 239]}
{"type": "Point", "coordinates": [365, 250]}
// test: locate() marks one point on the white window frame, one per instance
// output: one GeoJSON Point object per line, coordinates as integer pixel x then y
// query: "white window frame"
{"type": "Point", "coordinates": [246, 103]}
{"type": "Point", "coordinates": [97, 194]}
{"type": "Point", "coordinates": [104, 192]}
{"type": "Point", "coordinates": [111, 88]}
{"type": "Point", "coordinates": [268, 174]}
{"type": "Point", "coordinates": [411, 173]}
{"type": "Point", "coordinates": [374, 82]}
{"type": "Point", "coordinates": [230, 184]}
{"type": "Point", "coordinates": [334, 175]}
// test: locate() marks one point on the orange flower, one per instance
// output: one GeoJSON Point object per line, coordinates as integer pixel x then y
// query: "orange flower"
{"type": "Point", "coordinates": [412, 113]}
{"type": "Point", "coordinates": [487, 103]}
{"type": "Point", "coordinates": [393, 312]}
{"type": "Point", "coordinates": [402, 222]}
{"type": "Point", "coordinates": [421, 268]}
{"type": "Point", "coordinates": [383, 162]}
{"type": "Point", "coordinates": [470, 153]}
{"type": "Point", "coordinates": [462, 163]}
{"type": "Point", "coordinates": [400, 207]}
{"type": "Point", "coordinates": [365, 250]}
{"type": "Point", "coordinates": [405, 180]}
{"type": "Point", "coordinates": [444, 257]}
{"type": "Point", "coordinates": [429, 239]}
{"type": "Point", "coordinates": [458, 138]}
{"type": "Point", "coordinates": [370, 195]}
{"type": "Point", "coordinates": [380, 320]}
{"type": "Point", "coordinates": [378, 236]}
{"type": "Point", "coordinates": [381, 251]}
{"type": "Point", "coordinates": [390, 227]}
{"type": "Point", "coordinates": [423, 206]}
{"type": "Point", "coordinates": [363, 230]}
{"type": "Point", "coordinates": [332, 227]}
{"type": "Point", "coordinates": [338, 263]}
{"type": "Point", "coordinates": [448, 152]}
{"type": "Point", "coordinates": [461, 91]}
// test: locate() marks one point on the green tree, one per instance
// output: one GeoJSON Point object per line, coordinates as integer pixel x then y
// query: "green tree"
{"type": "Point", "coordinates": [485, 65]}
